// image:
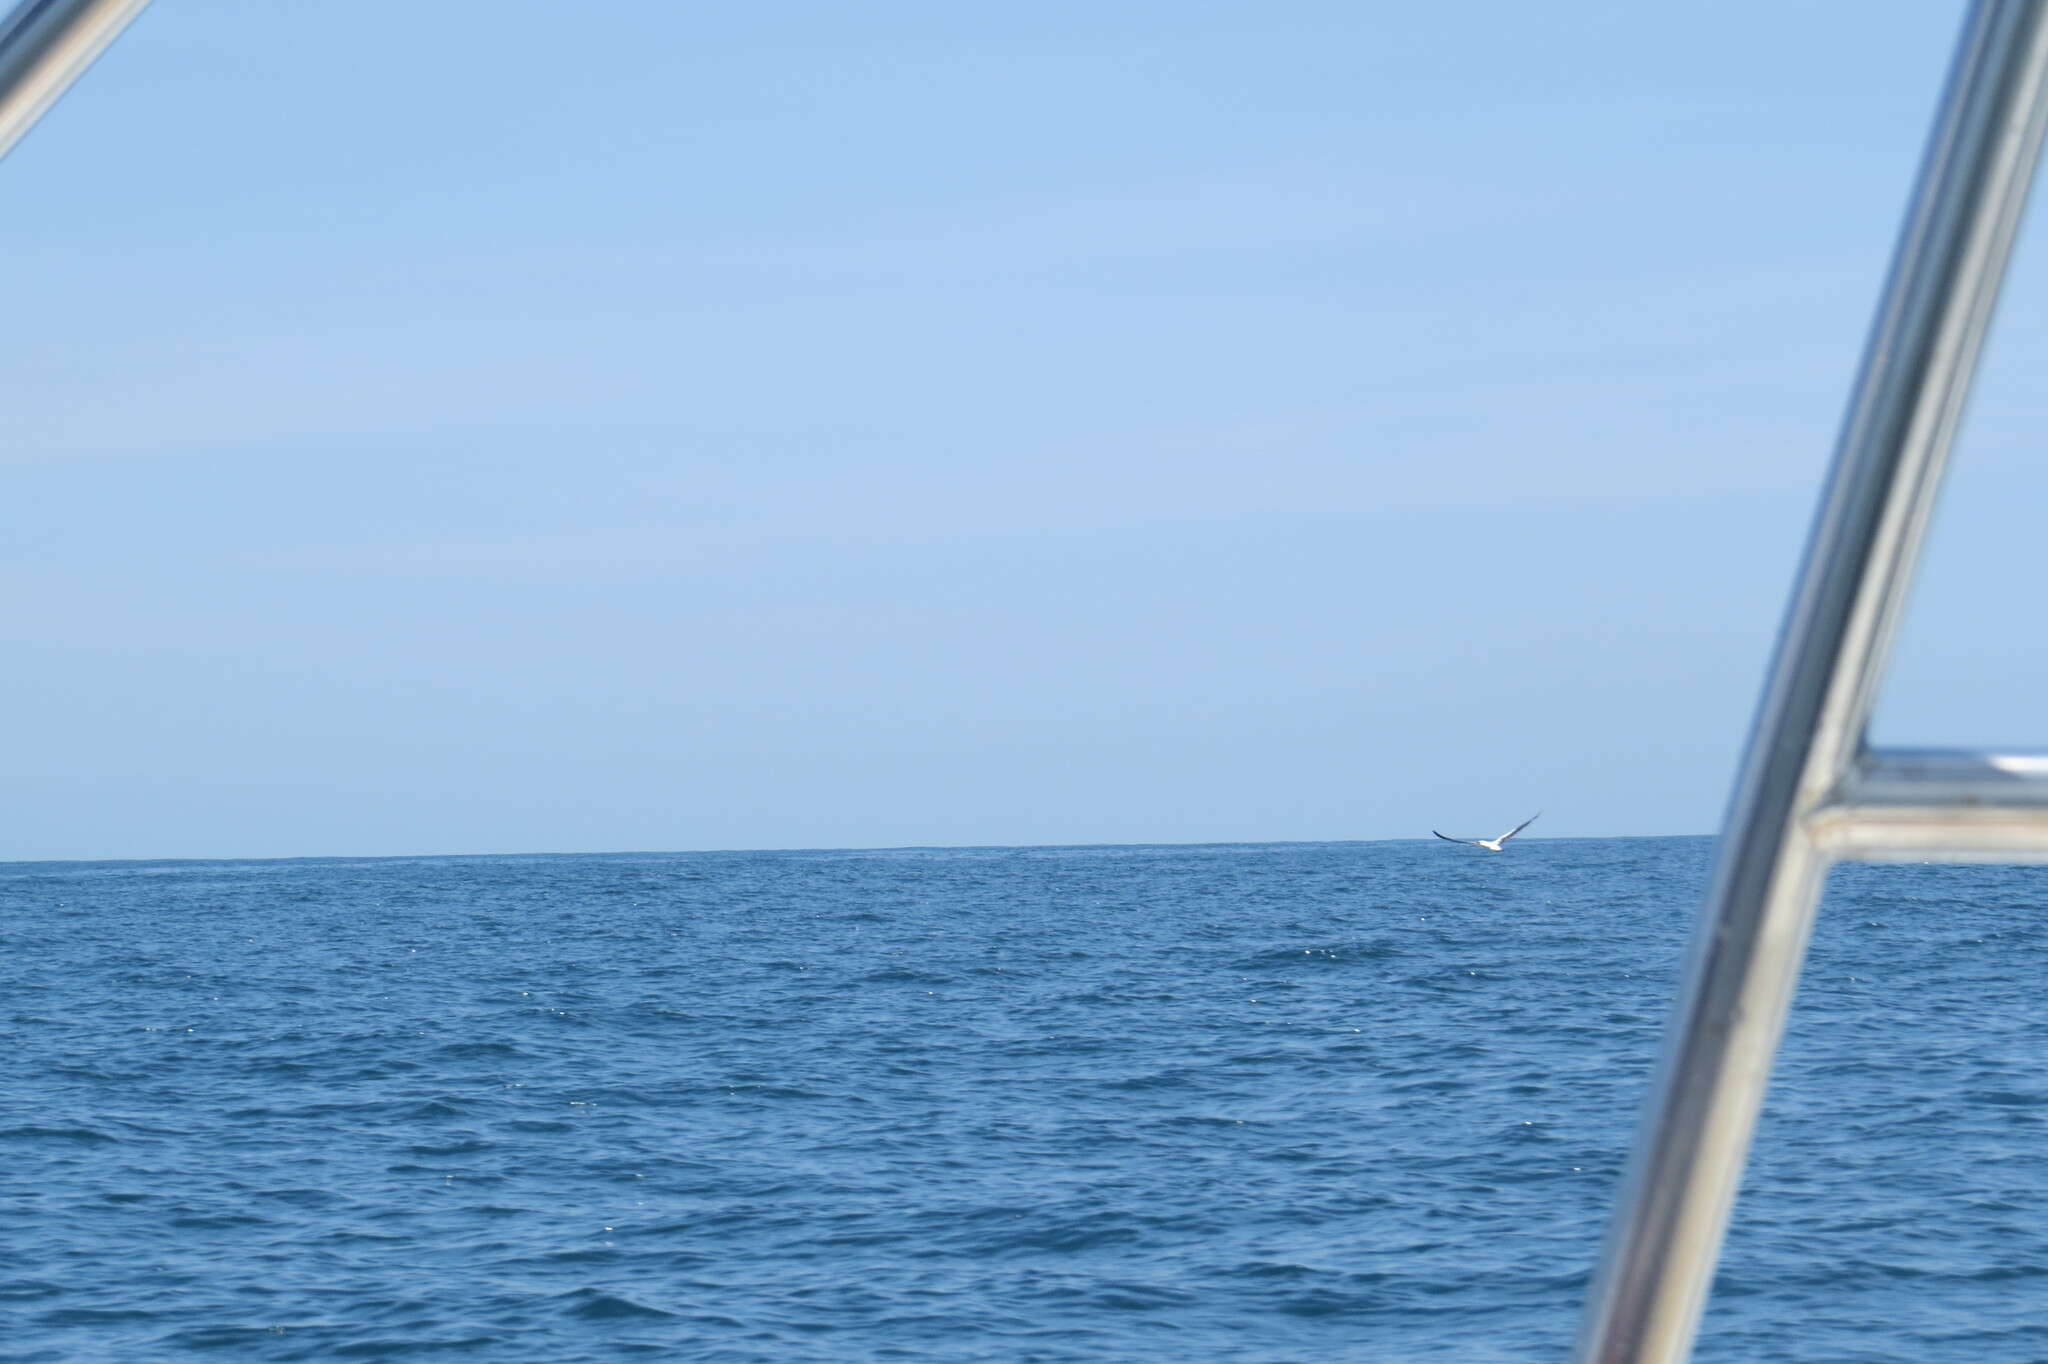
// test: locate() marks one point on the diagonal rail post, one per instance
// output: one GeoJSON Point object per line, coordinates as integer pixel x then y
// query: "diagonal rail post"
{"type": "Point", "coordinates": [45, 45]}
{"type": "Point", "coordinates": [1796, 805]}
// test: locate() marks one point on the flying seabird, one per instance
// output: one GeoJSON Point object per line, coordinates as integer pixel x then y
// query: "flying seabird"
{"type": "Point", "coordinates": [1492, 844]}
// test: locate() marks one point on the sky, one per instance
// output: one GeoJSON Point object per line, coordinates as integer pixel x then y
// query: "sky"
{"type": "Point", "coordinates": [470, 428]}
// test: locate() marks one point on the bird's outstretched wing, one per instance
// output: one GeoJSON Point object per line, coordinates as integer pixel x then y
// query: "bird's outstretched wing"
{"type": "Point", "coordinates": [1448, 839]}
{"type": "Point", "coordinates": [1519, 827]}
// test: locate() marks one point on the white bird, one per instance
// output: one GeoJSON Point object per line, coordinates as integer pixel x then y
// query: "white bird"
{"type": "Point", "coordinates": [1492, 844]}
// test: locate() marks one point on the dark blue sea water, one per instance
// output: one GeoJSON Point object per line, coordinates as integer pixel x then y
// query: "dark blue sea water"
{"type": "Point", "coordinates": [1294, 1102]}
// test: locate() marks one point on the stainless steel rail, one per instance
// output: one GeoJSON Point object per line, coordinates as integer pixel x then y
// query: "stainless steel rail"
{"type": "Point", "coordinates": [44, 46]}
{"type": "Point", "coordinates": [1810, 792]}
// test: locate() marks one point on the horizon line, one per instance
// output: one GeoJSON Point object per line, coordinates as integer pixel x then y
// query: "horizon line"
{"type": "Point", "coordinates": [736, 852]}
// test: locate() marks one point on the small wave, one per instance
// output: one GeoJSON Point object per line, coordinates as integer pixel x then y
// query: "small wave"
{"type": "Point", "coordinates": [396, 1347]}
{"type": "Point", "coordinates": [482, 1051]}
{"type": "Point", "coordinates": [2006, 1273]}
{"type": "Point", "coordinates": [79, 1135]}
{"type": "Point", "coordinates": [1141, 1297]}
{"type": "Point", "coordinates": [467, 1147]}
{"type": "Point", "coordinates": [468, 1177]}
{"type": "Point", "coordinates": [899, 975]}
{"type": "Point", "coordinates": [219, 1221]}
{"type": "Point", "coordinates": [593, 1304]}
{"type": "Point", "coordinates": [770, 1091]}
{"type": "Point", "coordinates": [1199, 1120]}
{"type": "Point", "coordinates": [1158, 1080]}
{"type": "Point", "coordinates": [1328, 1302]}
{"type": "Point", "coordinates": [1292, 1272]}
{"type": "Point", "coordinates": [1321, 956]}
{"type": "Point", "coordinates": [300, 1198]}
{"type": "Point", "coordinates": [2007, 1098]}
{"type": "Point", "coordinates": [93, 1316]}
{"type": "Point", "coordinates": [220, 1337]}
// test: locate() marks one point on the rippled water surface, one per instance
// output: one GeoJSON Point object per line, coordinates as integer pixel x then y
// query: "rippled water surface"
{"type": "Point", "coordinates": [1291, 1102]}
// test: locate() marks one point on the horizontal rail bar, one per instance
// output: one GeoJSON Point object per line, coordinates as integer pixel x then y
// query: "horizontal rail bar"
{"type": "Point", "coordinates": [1938, 805]}
{"type": "Point", "coordinates": [1946, 776]}
{"type": "Point", "coordinates": [1934, 833]}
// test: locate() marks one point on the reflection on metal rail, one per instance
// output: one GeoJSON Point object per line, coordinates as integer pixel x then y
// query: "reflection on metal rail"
{"type": "Point", "coordinates": [44, 46]}
{"type": "Point", "coordinates": [1810, 792]}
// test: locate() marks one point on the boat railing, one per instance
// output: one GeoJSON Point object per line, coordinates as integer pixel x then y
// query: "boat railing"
{"type": "Point", "coordinates": [1811, 791]}
{"type": "Point", "coordinates": [45, 45]}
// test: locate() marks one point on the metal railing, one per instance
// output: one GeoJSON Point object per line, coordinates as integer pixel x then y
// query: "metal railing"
{"type": "Point", "coordinates": [45, 45]}
{"type": "Point", "coordinates": [1810, 791]}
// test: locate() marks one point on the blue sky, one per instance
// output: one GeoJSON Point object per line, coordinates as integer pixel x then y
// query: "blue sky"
{"type": "Point", "coordinates": [468, 428]}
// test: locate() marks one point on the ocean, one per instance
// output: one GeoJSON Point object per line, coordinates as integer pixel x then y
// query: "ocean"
{"type": "Point", "coordinates": [1253, 1103]}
